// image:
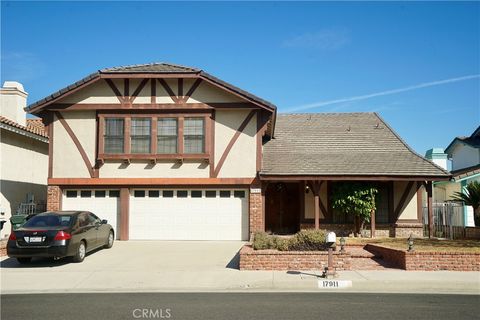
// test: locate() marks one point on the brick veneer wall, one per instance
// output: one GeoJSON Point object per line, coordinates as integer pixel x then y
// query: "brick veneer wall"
{"type": "Point", "coordinates": [290, 260]}
{"type": "Point", "coordinates": [428, 261]}
{"type": "Point", "coordinates": [256, 215]}
{"type": "Point", "coordinates": [54, 198]}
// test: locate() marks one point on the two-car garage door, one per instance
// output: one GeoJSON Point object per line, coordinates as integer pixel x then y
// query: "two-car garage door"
{"type": "Point", "coordinates": [173, 214]}
{"type": "Point", "coordinates": [189, 214]}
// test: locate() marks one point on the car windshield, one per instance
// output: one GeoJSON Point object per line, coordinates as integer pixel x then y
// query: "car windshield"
{"type": "Point", "coordinates": [48, 221]}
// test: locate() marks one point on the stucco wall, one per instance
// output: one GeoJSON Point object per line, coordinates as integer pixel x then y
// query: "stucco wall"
{"type": "Point", "coordinates": [24, 166]}
{"type": "Point", "coordinates": [241, 160]}
{"type": "Point", "coordinates": [464, 156]}
{"type": "Point", "coordinates": [410, 208]}
{"type": "Point", "coordinates": [67, 161]}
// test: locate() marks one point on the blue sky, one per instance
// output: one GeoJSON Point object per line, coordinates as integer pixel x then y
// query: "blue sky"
{"type": "Point", "coordinates": [296, 55]}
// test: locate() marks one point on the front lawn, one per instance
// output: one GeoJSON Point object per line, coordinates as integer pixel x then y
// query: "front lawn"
{"type": "Point", "coordinates": [420, 245]}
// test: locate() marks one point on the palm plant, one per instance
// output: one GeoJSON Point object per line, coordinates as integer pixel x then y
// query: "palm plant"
{"type": "Point", "coordinates": [471, 197]}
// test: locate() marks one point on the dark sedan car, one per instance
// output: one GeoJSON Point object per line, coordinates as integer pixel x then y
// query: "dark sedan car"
{"type": "Point", "coordinates": [60, 234]}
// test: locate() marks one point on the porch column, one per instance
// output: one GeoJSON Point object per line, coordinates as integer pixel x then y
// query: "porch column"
{"type": "Point", "coordinates": [430, 209]}
{"type": "Point", "coordinates": [316, 193]}
{"type": "Point", "coordinates": [372, 224]}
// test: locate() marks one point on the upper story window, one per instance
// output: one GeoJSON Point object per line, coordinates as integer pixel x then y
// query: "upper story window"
{"type": "Point", "coordinates": [140, 135]}
{"type": "Point", "coordinates": [194, 135]}
{"type": "Point", "coordinates": [167, 135]}
{"type": "Point", "coordinates": [114, 139]}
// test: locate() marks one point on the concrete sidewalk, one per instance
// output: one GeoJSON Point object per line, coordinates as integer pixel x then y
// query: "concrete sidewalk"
{"type": "Point", "coordinates": [205, 266]}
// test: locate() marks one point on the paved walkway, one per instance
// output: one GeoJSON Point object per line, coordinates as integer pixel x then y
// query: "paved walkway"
{"type": "Point", "coordinates": [164, 266]}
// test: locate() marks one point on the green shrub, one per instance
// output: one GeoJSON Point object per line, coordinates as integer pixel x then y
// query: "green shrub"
{"type": "Point", "coordinates": [262, 241]}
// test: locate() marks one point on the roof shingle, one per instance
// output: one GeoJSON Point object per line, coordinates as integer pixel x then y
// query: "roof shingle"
{"type": "Point", "coordinates": [34, 126]}
{"type": "Point", "coordinates": [341, 144]}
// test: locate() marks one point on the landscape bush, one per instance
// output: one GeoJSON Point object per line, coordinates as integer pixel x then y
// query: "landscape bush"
{"type": "Point", "coordinates": [305, 240]}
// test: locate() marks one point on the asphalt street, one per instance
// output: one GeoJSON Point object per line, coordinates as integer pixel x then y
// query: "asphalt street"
{"type": "Point", "coordinates": [214, 306]}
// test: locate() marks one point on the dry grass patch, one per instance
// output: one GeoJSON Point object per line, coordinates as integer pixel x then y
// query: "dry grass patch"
{"type": "Point", "coordinates": [420, 245]}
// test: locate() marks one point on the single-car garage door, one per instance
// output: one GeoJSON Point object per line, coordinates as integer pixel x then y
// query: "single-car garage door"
{"type": "Point", "coordinates": [189, 214]}
{"type": "Point", "coordinates": [102, 203]}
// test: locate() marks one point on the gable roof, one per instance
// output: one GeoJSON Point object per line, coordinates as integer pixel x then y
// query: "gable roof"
{"type": "Point", "coordinates": [341, 144]}
{"type": "Point", "coordinates": [149, 69]}
{"type": "Point", "coordinates": [34, 128]}
{"type": "Point", "coordinates": [473, 141]}
{"type": "Point", "coordinates": [464, 173]}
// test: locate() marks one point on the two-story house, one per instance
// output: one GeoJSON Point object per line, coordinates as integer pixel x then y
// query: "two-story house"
{"type": "Point", "coordinates": [171, 152]}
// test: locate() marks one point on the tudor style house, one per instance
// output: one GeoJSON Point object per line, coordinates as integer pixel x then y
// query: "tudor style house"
{"type": "Point", "coordinates": [170, 152]}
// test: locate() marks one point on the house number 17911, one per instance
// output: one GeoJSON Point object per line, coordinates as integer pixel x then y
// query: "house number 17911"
{"type": "Point", "coordinates": [334, 284]}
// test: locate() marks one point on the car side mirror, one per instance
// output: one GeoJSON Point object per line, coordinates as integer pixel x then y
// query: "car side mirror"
{"type": "Point", "coordinates": [104, 221]}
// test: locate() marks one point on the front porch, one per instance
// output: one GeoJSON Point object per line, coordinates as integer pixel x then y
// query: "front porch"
{"type": "Point", "coordinates": [286, 206]}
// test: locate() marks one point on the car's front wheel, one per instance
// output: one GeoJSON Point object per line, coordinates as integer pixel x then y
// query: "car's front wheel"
{"type": "Point", "coordinates": [24, 260]}
{"type": "Point", "coordinates": [81, 252]}
{"type": "Point", "coordinates": [110, 240]}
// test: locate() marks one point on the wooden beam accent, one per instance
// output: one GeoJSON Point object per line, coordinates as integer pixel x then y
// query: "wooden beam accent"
{"type": "Point", "coordinates": [419, 202]}
{"type": "Point", "coordinates": [301, 187]}
{"type": "Point", "coordinates": [232, 142]}
{"type": "Point", "coordinates": [147, 75]}
{"type": "Point", "coordinates": [403, 199]}
{"type": "Point", "coordinates": [180, 87]}
{"type": "Point", "coordinates": [50, 124]}
{"type": "Point", "coordinates": [281, 178]}
{"type": "Point", "coordinates": [124, 213]}
{"type": "Point", "coordinates": [316, 185]}
{"type": "Point", "coordinates": [96, 173]}
{"type": "Point", "coordinates": [151, 156]}
{"type": "Point", "coordinates": [126, 135]}
{"type": "Point", "coordinates": [153, 135]}
{"type": "Point", "coordinates": [169, 90]}
{"type": "Point", "coordinates": [138, 90]}
{"type": "Point", "coordinates": [372, 224]}
{"type": "Point", "coordinates": [180, 135]}
{"type": "Point", "coordinates": [153, 92]}
{"type": "Point", "coordinates": [126, 90]}
{"type": "Point", "coordinates": [192, 90]}
{"type": "Point", "coordinates": [100, 136]}
{"type": "Point", "coordinates": [212, 146]}
{"type": "Point", "coordinates": [430, 208]}
{"type": "Point", "coordinates": [151, 181]}
{"type": "Point", "coordinates": [76, 142]}
{"type": "Point", "coordinates": [115, 90]}
{"type": "Point", "coordinates": [148, 106]}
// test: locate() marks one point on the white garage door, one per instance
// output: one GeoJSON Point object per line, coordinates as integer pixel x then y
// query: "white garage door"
{"type": "Point", "coordinates": [189, 215]}
{"type": "Point", "coordinates": [103, 203]}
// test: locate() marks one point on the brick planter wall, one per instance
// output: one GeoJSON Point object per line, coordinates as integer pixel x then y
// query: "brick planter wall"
{"type": "Point", "coordinates": [428, 261]}
{"type": "Point", "coordinates": [290, 260]}
{"type": "Point", "coordinates": [54, 198]}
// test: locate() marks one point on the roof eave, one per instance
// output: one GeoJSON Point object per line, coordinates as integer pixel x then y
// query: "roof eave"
{"type": "Point", "coordinates": [348, 177]}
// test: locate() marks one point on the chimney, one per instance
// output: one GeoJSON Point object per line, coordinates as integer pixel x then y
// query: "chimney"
{"type": "Point", "coordinates": [438, 156]}
{"type": "Point", "coordinates": [13, 99]}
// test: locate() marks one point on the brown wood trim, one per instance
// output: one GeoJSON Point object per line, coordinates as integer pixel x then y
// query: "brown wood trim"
{"type": "Point", "coordinates": [148, 106]}
{"type": "Point", "coordinates": [329, 217]}
{"type": "Point", "coordinates": [180, 87]}
{"type": "Point", "coordinates": [147, 75]}
{"type": "Point", "coordinates": [180, 135]}
{"type": "Point", "coordinates": [126, 89]}
{"type": "Point", "coordinates": [126, 135]}
{"type": "Point", "coordinates": [208, 136]}
{"type": "Point", "coordinates": [232, 142]}
{"type": "Point", "coordinates": [150, 181]}
{"type": "Point", "coordinates": [153, 135]}
{"type": "Point", "coordinates": [115, 90]}
{"type": "Point", "coordinates": [281, 178]}
{"type": "Point", "coordinates": [124, 213]}
{"type": "Point", "coordinates": [127, 114]}
{"type": "Point", "coordinates": [430, 209]}
{"type": "Point", "coordinates": [169, 90]}
{"type": "Point", "coordinates": [50, 125]}
{"type": "Point", "coordinates": [192, 90]}
{"type": "Point", "coordinates": [212, 151]}
{"type": "Point", "coordinates": [153, 92]}
{"type": "Point", "coordinates": [372, 224]}
{"type": "Point", "coordinates": [403, 199]}
{"type": "Point", "coordinates": [419, 201]}
{"type": "Point", "coordinates": [150, 156]}
{"type": "Point", "coordinates": [139, 89]}
{"type": "Point", "coordinates": [96, 173]}
{"type": "Point", "coordinates": [101, 135]}
{"type": "Point", "coordinates": [301, 187]}
{"type": "Point", "coordinates": [76, 142]}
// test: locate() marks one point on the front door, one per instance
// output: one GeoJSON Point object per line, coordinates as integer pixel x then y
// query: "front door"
{"type": "Point", "coordinates": [282, 208]}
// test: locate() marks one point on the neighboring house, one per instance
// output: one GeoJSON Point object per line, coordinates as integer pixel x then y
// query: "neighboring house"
{"type": "Point", "coordinates": [170, 152]}
{"type": "Point", "coordinates": [464, 153]}
{"type": "Point", "coordinates": [24, 154]}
